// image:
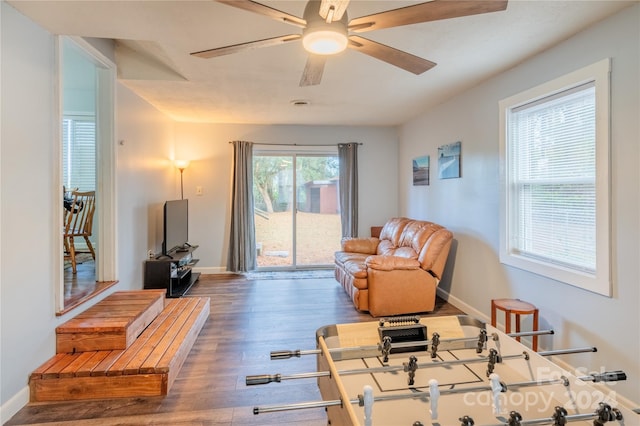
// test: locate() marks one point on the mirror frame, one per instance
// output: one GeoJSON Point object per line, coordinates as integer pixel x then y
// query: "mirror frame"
{"type": "Point", "coordinates": [106, 265]}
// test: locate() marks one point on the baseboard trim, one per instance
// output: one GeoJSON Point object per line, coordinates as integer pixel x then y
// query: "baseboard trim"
{"type": "Point", "coordinates": [14, 404]}
{"type": "Point", "coordinates": [470, 310]}
{"type": "Point", "coordinates": [212, 270]}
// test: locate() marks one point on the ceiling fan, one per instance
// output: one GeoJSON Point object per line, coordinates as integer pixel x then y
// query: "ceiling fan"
{"type": "Point", "coordinates": [326, 30]}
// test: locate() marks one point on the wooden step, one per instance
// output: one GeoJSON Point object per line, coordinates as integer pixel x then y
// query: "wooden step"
{"type": "Point", "coordinates": [113, 323]}
{"type": "Point", "coordinates": [148, 367]}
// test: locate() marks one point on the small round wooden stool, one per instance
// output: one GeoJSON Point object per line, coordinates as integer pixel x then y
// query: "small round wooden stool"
{"type": "Point", "coordinates": [516, 307]}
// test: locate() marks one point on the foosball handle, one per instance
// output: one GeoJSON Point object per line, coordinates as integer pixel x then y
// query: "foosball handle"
{"type": "Point", "coordinates": [262, 379]}
{"type": "Point", "coordinates": [607, 376]}
{"type": "Point", "coordinates": [285, 354]}
{"type": "Point", "coordinates": [434, 394]}
{"type": "Point", "coordinates": [368, 405]}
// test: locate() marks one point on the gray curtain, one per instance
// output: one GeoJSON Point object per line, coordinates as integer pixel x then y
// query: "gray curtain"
{"type": "Point", "coordinates": [242, 238]}
{"type": "Point", "coordinates": [348, 160]}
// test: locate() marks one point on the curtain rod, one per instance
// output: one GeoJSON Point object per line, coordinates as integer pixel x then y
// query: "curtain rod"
{"type": "Point", "coordinates": [300, 144]}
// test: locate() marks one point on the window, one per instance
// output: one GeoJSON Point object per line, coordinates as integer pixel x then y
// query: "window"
{"type": "Point", "coordinates": [554, 147]}
{"type": "Point", "coordinates": [79, 153]}
{"type": "Point", "coordinates": [297, 216]}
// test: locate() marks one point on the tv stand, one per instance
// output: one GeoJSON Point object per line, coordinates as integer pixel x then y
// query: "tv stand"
{"type": "Point", "coordinates": [173, 273]}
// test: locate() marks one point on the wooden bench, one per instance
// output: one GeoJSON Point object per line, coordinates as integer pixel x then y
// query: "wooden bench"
{"type": "Point", "coordinates": [148, 367]}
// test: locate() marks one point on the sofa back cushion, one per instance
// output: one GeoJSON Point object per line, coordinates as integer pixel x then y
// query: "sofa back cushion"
{"type": "Point", "coordinates": [416, 239]}
{"type": "Point", "coordinates": [390, 235]}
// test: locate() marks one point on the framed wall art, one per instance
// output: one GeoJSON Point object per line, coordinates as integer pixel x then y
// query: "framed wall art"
{"type": "Point", "coordinates": [449, 160]}
{"type": "Point", "coordinates": [421, 170]}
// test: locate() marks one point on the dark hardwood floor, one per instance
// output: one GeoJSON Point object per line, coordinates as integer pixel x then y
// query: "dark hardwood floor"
{"type": "Point", "coordinates": [82, 285]}
{"type": "Point", "coordinates": [248, 320]}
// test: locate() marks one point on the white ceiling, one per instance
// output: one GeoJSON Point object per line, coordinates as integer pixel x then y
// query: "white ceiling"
{"type": "Point", "coordinates": [258, 85]}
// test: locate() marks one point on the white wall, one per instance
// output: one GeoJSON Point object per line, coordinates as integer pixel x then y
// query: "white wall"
{"type": "Point", "coordinates": [208, 148]}
{"type": "Point", "coordinates": [469, 205]}
{"type": "Point", "coordinates": [27, 191]}
{"type": "Point", "coordinates": [146, 177]}
{"type": "Point", "coordinates": [27, 293]}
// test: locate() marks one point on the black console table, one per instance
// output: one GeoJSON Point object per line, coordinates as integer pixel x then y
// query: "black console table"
{"type": "Point", "coordinates": [172, 272]}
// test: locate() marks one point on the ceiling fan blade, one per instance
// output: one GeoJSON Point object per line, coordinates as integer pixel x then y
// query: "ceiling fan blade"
{"type": "Point", "coordinates": [392, 56]}
{"type": "Point", "coordinates": [332, 10]}
{"type": "Point", "coordinates": [261, 9]}
{"type": "Point", "coordinates": [425, 12]}
{"type": "Point", "coordinates": [227, 50]}
{"type": "Point", "coordinates": [313, 70]}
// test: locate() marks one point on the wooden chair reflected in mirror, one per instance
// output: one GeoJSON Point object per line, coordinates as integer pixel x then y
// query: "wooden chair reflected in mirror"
{"type": "Point", "coordinates": [79, 209]}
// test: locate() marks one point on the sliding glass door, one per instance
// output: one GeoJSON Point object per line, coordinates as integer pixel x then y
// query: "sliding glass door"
{"type": "Point", "coordinates": [296, 209]}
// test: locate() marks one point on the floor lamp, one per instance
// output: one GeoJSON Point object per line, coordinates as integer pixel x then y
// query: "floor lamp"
{"type": "Point", "coordinates": [181, 165]}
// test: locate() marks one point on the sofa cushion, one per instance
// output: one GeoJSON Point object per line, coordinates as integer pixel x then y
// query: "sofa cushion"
{"type": "Point", "coordinates": [352, 263]}
{"type": "Point", "coordinates": [360, 245]}
{"type": "Point", "coordinates": [389, 263]}
{"type": "Point", "coordinates": [406, 252]}
{"type": "Point", "coordinates": [343, 257]}
{"type": "Point", "coordinates": [392, 230]}
{"type": "Point", "coordinates": [385, 248]}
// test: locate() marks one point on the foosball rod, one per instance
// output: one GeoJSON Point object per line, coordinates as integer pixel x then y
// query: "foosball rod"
{"type": "Point", "coordinates": [603, 414]}
{"type": "Point", "coordinates": [549, 420]}
{"type": "Point", "coordinates": [360, 399]}
{"type": "Point", "coordinates": [297, 353]}
{"type": "Point", "coordinates": [263, 379]}
{"type": "Point", "coordinates": [607, 376]}
{"type": "Point", "coordinates": [530, 333]}
{"type": "Point", "coordinates": [568, 351]}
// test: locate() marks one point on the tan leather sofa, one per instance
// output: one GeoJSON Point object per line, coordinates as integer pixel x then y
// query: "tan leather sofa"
{"type": "Point", "coordinates": [397, 272]}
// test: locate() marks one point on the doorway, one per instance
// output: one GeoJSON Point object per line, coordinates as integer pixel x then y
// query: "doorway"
{"type": "Point", "coordinates": [87, 164]}
{"type": "Point", "coordinates": [297, 213]}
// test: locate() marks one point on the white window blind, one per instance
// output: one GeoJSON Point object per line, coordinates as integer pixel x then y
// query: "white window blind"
{"type": "Point", "coordinates": [553, 173]}
{"type": "Point", "coordinates": [79, 153]}
{"type": "Point", "coordinates": [554, 157]}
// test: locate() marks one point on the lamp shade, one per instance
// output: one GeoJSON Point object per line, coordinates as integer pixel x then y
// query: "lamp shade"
{"type": "Point", "coordinates": [181, 164]}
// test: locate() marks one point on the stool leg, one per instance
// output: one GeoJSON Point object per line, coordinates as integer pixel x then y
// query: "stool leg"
{"type": "Point", "coordinates": [535, 328]}
{"type": "Point", "coordinates": [507, 321]}
{"type": "Point", "coordinates": [493, 313]}
{"type": "Point", "coordinates": [518, 326]}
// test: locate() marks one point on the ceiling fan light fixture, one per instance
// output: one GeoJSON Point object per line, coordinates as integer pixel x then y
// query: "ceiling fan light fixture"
{"type": "Point", "coordinates": [324, 41]}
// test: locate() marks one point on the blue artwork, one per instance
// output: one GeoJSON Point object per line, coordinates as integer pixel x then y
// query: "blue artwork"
{"type": "Point", "coordinates": [421, 170]}
{"type": "Point", "coordinates": [449, 160]}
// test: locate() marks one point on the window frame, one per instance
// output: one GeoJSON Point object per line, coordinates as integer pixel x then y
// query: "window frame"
{"type": "Point", "coordinates": [600, 281]}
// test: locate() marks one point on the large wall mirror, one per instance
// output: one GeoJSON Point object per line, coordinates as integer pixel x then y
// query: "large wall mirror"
{"type": "Point", "coordinates": [87, 172]}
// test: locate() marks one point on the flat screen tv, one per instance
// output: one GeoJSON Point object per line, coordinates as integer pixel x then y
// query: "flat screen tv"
{"type": "Point", "coordinates": [176, 226]}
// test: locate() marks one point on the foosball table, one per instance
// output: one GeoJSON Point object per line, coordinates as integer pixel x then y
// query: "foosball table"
{"type": "Point", "coordinates": [445, 371]}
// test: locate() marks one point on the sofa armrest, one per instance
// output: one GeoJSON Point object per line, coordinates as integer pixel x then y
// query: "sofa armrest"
{"type": "Point", "coordinates": [360, 245]}
{"type": "Point", "coordinates": [389, 263]}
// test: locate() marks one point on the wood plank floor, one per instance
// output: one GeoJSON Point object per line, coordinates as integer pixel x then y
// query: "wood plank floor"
{"type": "Point", "coordinates": [248, 320]}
